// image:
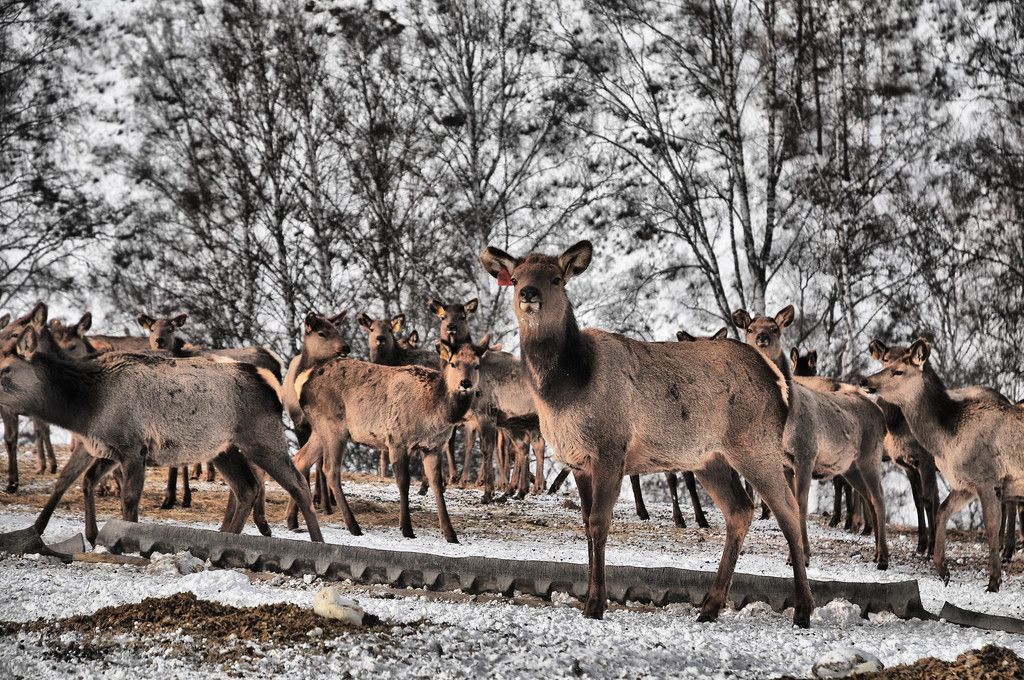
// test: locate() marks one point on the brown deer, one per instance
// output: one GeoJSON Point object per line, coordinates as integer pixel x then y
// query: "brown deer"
{"type": "Point", "coordinates": [321, 341]}
{"type": "Point", "coordinates": [398, 409]}
{"type": "Point", "coordinates": [670, 477]}
{"type": "Point", "coordinates": [903, 447]}
{"type": "Point", "coordinates": [44, 445]}
{"type": "Point", "coordinates": [975, 442]}
{"type": "Point", "coordinates": [130, 409]}
{"type": "Point", "coordinates": [828, 433]}
{"type": "Point", "coordinates": [455, 329]}
{"type": "Point", "coordinates": [611, 405]}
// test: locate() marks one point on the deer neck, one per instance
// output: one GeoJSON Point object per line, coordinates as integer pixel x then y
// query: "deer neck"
{"type": "Point", "coordinates": [933, 416]}
{"type": "Point", "coordinates": [453, 404]}
{"type": "Point", "coordinates": [70, 394]}
{"type": "Point", "coordinates": [559, 359]}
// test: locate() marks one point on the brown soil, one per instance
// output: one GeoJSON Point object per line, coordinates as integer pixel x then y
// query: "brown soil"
{"type": "Point", "coordinates": [991, 662]}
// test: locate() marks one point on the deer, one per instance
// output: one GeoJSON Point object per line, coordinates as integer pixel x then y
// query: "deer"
{"type": "Point", "coordinates": [398, 409]}
{"type": "Point", "coordinates": [975, 442]}
{"type": "Point", "coordinates": [906, 447]}
{"type": "Point", "coordinates": [322, 341]}
{"type": "Point", "coordinates": [612, 406]}
{"type": "Point", "coordinates": [455, 329]}
{"type": "Point", "coordinates": [828, 433]}
{"type": "Point", "coordinates": [163, 337]}
{"type": "Point", "coordinates": [44, 446]}
{"type": "Point", "coordinates": [670, 477]}
{"type": "Point", "coordinates": [130, 409]}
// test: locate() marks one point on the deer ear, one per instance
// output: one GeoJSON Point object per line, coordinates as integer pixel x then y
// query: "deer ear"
{"type": "Point", "coordinates": [339, 317]}
{"type": "Point", "coordinates": [576, 259]}
{"type": "Point", "coordinates": [39, 314]}
{"type": "Point", "coordinates": [812, 358]}
{"type": "Point", "coordinates": [364, 321]}
{"type": "Point", "coordinates": [919, 352]}
{"type": "Point", "coordinates": [741, 319]}
{"type": "Point", "coordinates": [877, 349]}
{"type": "Point", "coordinates": [85, 323]}
{"type": "Point", "coordinates": [485, 343]}
{"type": "Point", "coordinates": [683, 336]}
{"type": "Point", "coordinates": [413, 339]}
{"type": "Point", "coordinates": [397, 322]}
{"type": "Point", "coordinates": [179, 320]}
{"type": "Point", "coordinates": [785, 317]}
{"type": "Point", "coordinates": [722, 333]}
{"type": "Point", "coordinates": [470, 307]}
{"type": "Point", "coordinates": [444, 350]}
{"type": "Point", "coordinates": [437, 307]}
{"type": "Point", "coordinates": [794, 356]}
{"type": "Point", "coordinates": [145, 320]}
{"type": "Point", "coordinates": [5, 319]}
{"type": "Point", "coordinates": [495, 259]}
{"type": "Point", "coordinates": [313, 322]}
{"type": "Point", "coordinates": [28, 343]}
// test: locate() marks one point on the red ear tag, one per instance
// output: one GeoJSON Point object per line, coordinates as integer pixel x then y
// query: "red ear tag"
{"type": "Point", "coordinates": [504, 278]}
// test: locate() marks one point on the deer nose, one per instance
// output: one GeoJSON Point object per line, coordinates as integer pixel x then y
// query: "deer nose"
{"type": "Point", "coordinates": [161, 343]}
{"type": "Point", "coordinates": [529, 294]}
{"type": "Point", "coordinates": [466, 383]}
{"type": "Point", "coordinates": [345, 349]}
{"type": "Point", "coordinates": [380, 339]}
{"type": "Point", "coordinates": [763, 338]}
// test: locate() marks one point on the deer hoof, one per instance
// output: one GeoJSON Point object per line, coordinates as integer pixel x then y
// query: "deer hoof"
{"type": "Point", "coordinates": [451, 538]}
{"type": "Point", "coordinates": [993, 585]}
{"type": "Point", "coordinates": [883, 565]}
{"type": "Point", "coordinates": [167, 504]}
{"type": "Point", "coordinates": [802, 620]}
{"type": "Point", "coordinates": [355, 530]}
{"type": "Point", "coordinates": [593, 609]}
{"type": "Point", "coordinates": [264, 528]}
{"type": "Point", "coordinates": [12, 487]}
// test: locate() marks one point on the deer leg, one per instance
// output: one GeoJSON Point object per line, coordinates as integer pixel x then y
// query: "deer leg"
{"type": "Point", "coordinates": [37, 426]}
{"type": "Point", "coordinates": [851, 509]}
{"type": "Point", "coordinates": [771, 484]}
{"type": "Point", "coordinates": [469, 433]}
{"type": "Point", "coordinates": [955, 500]}
{"type": "Point", "coordinates": [673, 491]}
{"type": "Point", "coordinates": [333, 463]}
{"type": "Point", "coordinates": [868, 484]}
{"type": "Point", "coordinates": [11, 442]}
{"type": "Point", "coordinates": [488, 444]}
{"type": "Point", "coordinates": [98, 469]}
{"type": "Point", "coordinates": [922, 522]}
{"type": "Point", "coordinates": [837, 502]}
{"type": "Point", "coordinates": [606, 486]}
{"type": "Point", "coordinates": [698, 511]}
{"type": "Point", "coordinates": [539, 480]}
{"type": "Point", "coordinates": [1009, 538]}
{"type": "Point", "coordinates": [929, 497]}
{"type": "Point", "coordinates": [327, 499]}
{"type": "Point", "coordinates": [738, 511]}
{"type": "Point", "coordinates": [197, 471]}
{"type": "Point", "coordinates": [559, 479]}
{"type": "Point", "coordinates": [244, 489]}
{"type": "Point", "coordinates": [186, 488]}
{"type": "Point", "coordinates": [171, 491]}
{"type": "Point", "coordinates": [276, 463]}
{"type": "Point", "coordinates": [990, 514]}
{"type": "Point", "coordinates": [79, 461]}
{"type": "Point", "coordinates": [523, 452]}
{"type": "Point", "coordinates": [211, 472]}
{"type": "Point", "coordinates": [432, 469]}
{"type": "Point", "coordinates": [400, 464]}
{"type": "Point", "coordinates": [449, 453]}
{"type": "Point", "coordinates": [638, 498]}
{"type": "Point", "coordinates": [585, 488]}
{"type": "Point", "coordinates": [133, 477]}
{"type": "Point", "coordinates": [45, 446]}
{"type": "Point", "coordinates": [803, 489]}
{"type": "Point", "coordinates": [305, 457]}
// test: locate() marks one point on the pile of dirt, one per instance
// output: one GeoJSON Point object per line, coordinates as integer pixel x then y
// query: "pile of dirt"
{"type": "Point", "coordinates": [990, 662]}
{"type": "Point", "coordinates": [154, 616]}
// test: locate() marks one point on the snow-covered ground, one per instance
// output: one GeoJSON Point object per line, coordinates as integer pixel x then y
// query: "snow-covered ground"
{"type": "Point", "coordinates": [463, 636]}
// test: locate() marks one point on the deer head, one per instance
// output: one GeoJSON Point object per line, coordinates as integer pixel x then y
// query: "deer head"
{"type": "Point", "coordinates": [454, 318]}
{"type": "Point", "coordinates": [765, 332]}
{"type": "Point", "coordinates": [162, 332]}
{"type": "Point", "coordinates": [323, 339]}
{"type": "Point", "coordinates": [902, 377]}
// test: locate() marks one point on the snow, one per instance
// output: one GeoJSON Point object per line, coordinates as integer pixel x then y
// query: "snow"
{"type": "Point", "coordinates": [463, 636]}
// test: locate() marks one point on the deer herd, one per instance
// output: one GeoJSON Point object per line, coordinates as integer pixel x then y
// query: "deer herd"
{"type": "Point", "coordinates": [742, 418]}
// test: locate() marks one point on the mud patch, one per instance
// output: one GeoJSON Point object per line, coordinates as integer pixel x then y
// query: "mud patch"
{"type": "Point", "coordinates": [990, 662]}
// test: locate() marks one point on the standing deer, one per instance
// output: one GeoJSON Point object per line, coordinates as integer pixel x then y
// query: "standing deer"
{"type": "Point", "coordinates": [611, 405]}
{"type": "Point", "coordinates": [130, 409]}
{"type": "Point", "coordinates": [321, 342]}
{"type": "Point", "coordinates": [398, 409]}
{"type": "Point", "coordinates": [670, 477]}
{"type": "Point", "coordinates": [975, 442]}
{"type": "Point", "coordinates": [455, 329]}
{"type": "Point", "coordinates": [828, 433]}
{"type": "Point", "coordinates": [903, 447]}
{"type": "Point", "coordinates": [44, 445]}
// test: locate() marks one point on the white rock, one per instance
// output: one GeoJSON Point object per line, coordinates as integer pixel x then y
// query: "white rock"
{"type": "Point", "coordinates": [840, 612]}
{"type": "Point", "coordinates": [331, 603]}
{"type": "Point", "coordinates": [181, 563]}
{"type": "Point", "coordinates": [842, 662]}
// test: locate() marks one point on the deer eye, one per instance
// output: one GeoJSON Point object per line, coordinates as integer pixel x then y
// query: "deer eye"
{"type": "Point", "coordinates": [555, 281]}
{"type": "Point", "coordinates": [515, 281]}
{"type": "Point", "coordinates": [897, 372]}
{"type": "Point", "coordinates": [775, 329]}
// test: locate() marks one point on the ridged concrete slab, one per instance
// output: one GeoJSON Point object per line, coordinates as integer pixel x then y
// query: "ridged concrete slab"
{"type": "Point", "coordinates": [658, 585]}
{"type": "Point", "coordinates": [969, 619]}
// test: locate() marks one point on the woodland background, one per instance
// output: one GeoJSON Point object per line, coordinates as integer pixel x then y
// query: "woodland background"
{"type": "Point", "coordinates": [245, 161]}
